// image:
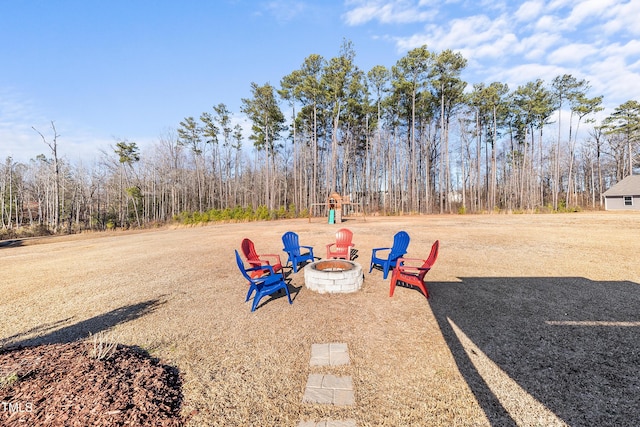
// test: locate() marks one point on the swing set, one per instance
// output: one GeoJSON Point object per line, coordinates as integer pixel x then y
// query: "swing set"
{"type": "Point", "coordinates": [336, 208]}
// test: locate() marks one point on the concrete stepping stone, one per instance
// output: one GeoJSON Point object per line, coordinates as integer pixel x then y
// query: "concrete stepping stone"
{"type": "Point", "coordinates": [331, 354]}
{"type": "Point", "coordinates": [329, 389]}
{"type": "Point", "coordinates": [328, 423]}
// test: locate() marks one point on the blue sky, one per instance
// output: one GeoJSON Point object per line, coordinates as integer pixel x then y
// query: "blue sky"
{"type": "Point", "coordinates": [104, 71]}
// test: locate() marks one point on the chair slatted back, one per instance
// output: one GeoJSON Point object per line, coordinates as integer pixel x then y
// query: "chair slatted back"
{"type": "Point", "coordinates": [344, 237]}
{"type": "Point", "coordinates": [433, 255]}
{"type": "Point", "coordinates": [242, 268]}
{"type": "Point", "coordinates": [400, 245]}
{"type": "Point", "coordinates": [291, 243]}
{"type": "Point", "coordinates": [249, 251]}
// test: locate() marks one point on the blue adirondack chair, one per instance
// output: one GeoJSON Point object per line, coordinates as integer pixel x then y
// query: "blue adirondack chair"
{"type": "Point", "coordinates": [399, 248]}
{"type": "Point", "coordinates": [293, 249]}
{"type": "Point", "coordinates": [264, 285]}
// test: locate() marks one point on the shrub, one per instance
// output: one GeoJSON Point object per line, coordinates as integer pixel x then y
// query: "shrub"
{"type": "Point", "coordinates": [238, 213]}
{"type": "Point", "coordinates": [291, 212]}
{"type": "Point", "coordinates": [249, 214]}
{"type": "Point", "coordinates": [281, 213]}
{"type": "Point", "coordinates": [262, 213]}
{"type": "Point", "coordinates": [8, 380]}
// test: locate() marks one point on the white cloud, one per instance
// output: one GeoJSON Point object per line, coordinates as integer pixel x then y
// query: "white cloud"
{"type": "Point", "coordinates": [285, 10]}
{"type": "Point", "coordinates": [387, 12]}
{"type": "Point", "coordinates": [522, 74]}
{"type": "Point", "coordinates": [361, 15]}
{"type": "Point", "coordinates": [624, 19]}
{"type": "Point", "coordinates": [516, 43]}
{"type": "Point", "coordinates": [536, 46]}
{"type": "Point", "coordinates": [630, 49]}
{"type": "Point", "coordinates": [475, 37]}
{"type": "Point", "coordinates": [586, 9]}
{"type": "Point", "coordinates": [616, 80]}
{"type": "Point", "coordinates": [16, 135]}
{"type": "Point", "coordinates": [18, 139]}
{"type": "Point", "coordinates": [572, 54]}
{"type": "Point", "coordinates": [499, 48]}
{"type": "Point", "coordinates": [617, 72]}
{"type": "Point", "coordinates": [529, 10]}
{"type": "Point", "coordinates": [407, 43]}
{"type": "Point", "coordinates": [555, 5]}
{"type": "Point", "coordinates": [593, 16]}
{"type": "Point", "coordinates": [476, 30]}
{"type": "Point", "coordinates": [549, 23]}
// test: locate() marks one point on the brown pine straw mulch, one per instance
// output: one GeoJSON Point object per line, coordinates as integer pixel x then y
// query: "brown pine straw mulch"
{"type": "Point", "coordinates": [66, 385]}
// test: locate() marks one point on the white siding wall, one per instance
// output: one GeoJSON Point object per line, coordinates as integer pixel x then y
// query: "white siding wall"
{"type": "Point", "coordinates": [616, 203]}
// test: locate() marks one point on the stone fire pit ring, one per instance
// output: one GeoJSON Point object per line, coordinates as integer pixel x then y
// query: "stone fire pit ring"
{"type": "Point", "coordinates": [333, 276]}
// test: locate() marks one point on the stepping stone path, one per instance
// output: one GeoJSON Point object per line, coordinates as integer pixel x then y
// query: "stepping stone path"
{"type": "Point", "coordinates": [334, 354]}
{"type": "Point", "coordinates": [329, 389]}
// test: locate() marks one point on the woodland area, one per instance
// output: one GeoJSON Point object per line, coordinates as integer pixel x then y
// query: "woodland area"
{"type": "Point", "coordinates": [412, 138]}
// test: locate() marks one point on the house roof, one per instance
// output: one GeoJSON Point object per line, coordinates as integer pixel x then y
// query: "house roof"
{"type": "Point", "coordinates": [630, 186]}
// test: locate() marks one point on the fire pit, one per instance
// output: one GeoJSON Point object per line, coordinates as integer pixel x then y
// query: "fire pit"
{"type": "Point", "coordinates": [333, 276]}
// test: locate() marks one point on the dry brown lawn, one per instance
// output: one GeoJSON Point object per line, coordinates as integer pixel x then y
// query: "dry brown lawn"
{"type": "Point", "coordinates": [533, 319]}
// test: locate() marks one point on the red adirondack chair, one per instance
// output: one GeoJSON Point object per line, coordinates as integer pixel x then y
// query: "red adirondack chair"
{"type": "Point", "coordinates": [410, 272]}
{"type": "Point", "coordinates": [342, 247]}
{"type": "Point", "coordinates": [255, 260]}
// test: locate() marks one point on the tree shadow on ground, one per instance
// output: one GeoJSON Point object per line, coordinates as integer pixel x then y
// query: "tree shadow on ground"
{"type": "Point", "coordinates": [11, 243]}
{"type": "Point", "coordinates": [56, 333]}
{"type": "Point", "coordinates": [569, 342]}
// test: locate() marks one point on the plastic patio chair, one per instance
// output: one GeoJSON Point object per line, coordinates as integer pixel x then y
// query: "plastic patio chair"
{"type": "Point", "coordinates": [263, 285]}
{"type": "Point", "coordinates": [399, 248]}
{"type": "Point", "coordinates": [410, 272]}
{"type": "Point", "coordinates": [255, 260]}
{"type": "Point", "coordinates": [293, 249]}
{"type": "Point", "coordinates": [342, 247]}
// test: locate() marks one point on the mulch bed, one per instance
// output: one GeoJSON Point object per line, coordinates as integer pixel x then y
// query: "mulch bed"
{"type": "Point", "coordinates": [64, 385]}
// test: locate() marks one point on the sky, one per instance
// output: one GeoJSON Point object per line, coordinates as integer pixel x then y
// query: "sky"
{"type": "Point", "coordinates": [108, 71]}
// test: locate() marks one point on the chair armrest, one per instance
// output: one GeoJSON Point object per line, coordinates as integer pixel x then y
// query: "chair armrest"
{"type": "Point", "coordinates": [411, 259]}
{"type": "Point", "coordinates": [401, 260]}
{"type": "Point", "coordinates": [274, 256]}
{"type": "Point", "coordinates": [405, 269]}
{"type": "Point", "coordinates": [374, 250]}
{"type": "Point", "coordinates": [262, 267]}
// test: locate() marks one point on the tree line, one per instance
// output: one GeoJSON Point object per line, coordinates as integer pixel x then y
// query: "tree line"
{"type": "Point", "coordinates": [410, 138]}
